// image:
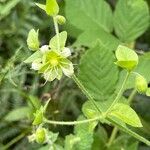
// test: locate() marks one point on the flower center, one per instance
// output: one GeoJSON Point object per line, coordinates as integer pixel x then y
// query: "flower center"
{"type": "Point", "coordinates": [54, 62]}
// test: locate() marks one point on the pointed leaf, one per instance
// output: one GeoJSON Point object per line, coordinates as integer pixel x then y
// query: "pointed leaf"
{"type": "Point", "coordinates": [97, 73]}
{"type": "Point", "coordinates": [97, 15]}
{"type": "Point", "coordinates": [126, 114]}
{"type": "Point", "coordinates": [131, 19]}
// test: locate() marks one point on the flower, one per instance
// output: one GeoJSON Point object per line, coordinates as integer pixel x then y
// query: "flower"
{"type": "Point", "coordinates": [53, 64]}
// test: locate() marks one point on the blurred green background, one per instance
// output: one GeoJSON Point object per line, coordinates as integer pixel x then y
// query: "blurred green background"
{"type": "Point", "coordinates": [19, 84]}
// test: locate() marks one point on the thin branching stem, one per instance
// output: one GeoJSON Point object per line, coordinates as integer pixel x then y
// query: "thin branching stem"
{"type": "Point", "coordinates": [71, 123]}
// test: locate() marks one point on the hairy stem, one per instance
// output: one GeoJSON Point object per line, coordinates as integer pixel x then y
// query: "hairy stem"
{"type": "Point", "coordinates": [112, 137]}
{"type": "Point", "coordinates": [15, 140]}
{"type": "Point", "coordinates": [133, 93]}
{"type": "Point", "coordinates": [70, 123]}
{"type": "Point", "coordinates": [119, 94]}
{"type": "Point", "coordinates": [57, 33]}
{"type": "Point", "coordinates": [85, 92]}
{"type": "Point", "coordinates": [115, 129]}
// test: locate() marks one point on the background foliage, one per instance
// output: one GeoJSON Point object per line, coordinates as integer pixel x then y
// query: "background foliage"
{"type": "Point", "coordinates": [19, 85]}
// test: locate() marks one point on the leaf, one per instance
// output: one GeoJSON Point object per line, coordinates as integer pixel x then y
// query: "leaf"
{"type": "Point", "coordinates": [126, 114]}
{"type": "Point", "coordinates": [62, 40]}
{"type": "Point", "coordinates": [97, 15]}
{"type": "Point", "coordinates": [43, 7]}
{"type": "Point", "coordinates": [100, 139]}
{"type": "Point", "coordinates": [115, 121]}
{"type": "Point", "coordinates": [33, 57]}
{"type": "Point", "coordinates": [71, 141]}
{"type": "Point", "coordinates": [100, 35]}
{"type": "Point", "coordinates": [126, 57]}
{"type": "Point", "coordinates": [85, 133]}
{"type": "Point", "coordinates": [97, 72]}
{"type": "Point", "coordinates": [52, 7]}
{"type": "Point", "coordinates": [32, 40]}
{"type": "Point", "coordinates": [131, 19]}
{"type": "Point", "coordinates": [6, 9]}
{"type": "Point", "coordinates": [18, 114]}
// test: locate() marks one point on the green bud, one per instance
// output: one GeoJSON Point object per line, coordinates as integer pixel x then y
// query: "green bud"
{"type": "Point", "coordinates": [38, 117]}
{"type": "Point", "coordinates": [32, 40]}
{"type": "Point", "coordinates": [61, 19]}
{"type": "Point", "coordinates": [126, 58]}
{"type": "Point", "coordinates": [40, 135]}
{"type": "Point", "coordinates": [52, 8]}
{"type": "Point", "coordinates": [141, 84]}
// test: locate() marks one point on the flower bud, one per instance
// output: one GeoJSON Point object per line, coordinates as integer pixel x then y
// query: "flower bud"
{"type": "Point", "coordinates": [40, 135]}
{"type": "Point", "coordinates": [38, 117]}
{"type": "Point", "coordinates": [32, 40]}
{"type": "Point", "coordinates": [141, 84]}
{"type": "Point", "coordinates": [61, 19]}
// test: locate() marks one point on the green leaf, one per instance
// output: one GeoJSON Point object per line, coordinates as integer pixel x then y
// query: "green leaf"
{"type": "Point", "coordinates": [18, 114]}
{"type": "Point", "coordinates": [126, 114]}
{"type": "Point", "coordinates": [97, 15]}
{"type": "Point", "coordinates": [115, 121]}
{"type": "Point", "coordinates": [100, 139]}
{"type": "Point", "coordinates": [52, 7]}
{"type": "Point", "coordinates": [71, 141]}
{"type": "Point", "coordinates": [6, 9]}
{"type": "Point", "coordinates": [97, 72]}
{"type": "Point", "coordinates": [131, 19]}
{"type": "Point", "coordinates": [100, 35]}
{"type": "Point", "coordinates": [32, 40]}
{"type": "Point", "coordinates": [43, 7]}
{"type": "Point", "coordinates": [62, 39]}
{"type": "Point", "coordinates": [33, 57]}
{"type": "Point", "coordinates": [126, 57]}
{"type": "Point", "coordinates": [85, 133]}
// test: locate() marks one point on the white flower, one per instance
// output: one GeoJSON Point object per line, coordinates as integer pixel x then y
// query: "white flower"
{"type": "Point", "coordinates": [66, 52]}
{"type": "Point", "coordinates": [44, 49]}
{"type": "Point", "coordinates": [36, 64]}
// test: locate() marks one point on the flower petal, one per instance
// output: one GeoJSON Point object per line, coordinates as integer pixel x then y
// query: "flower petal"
{"type": "Point", "coordinates": [44, 48]}
{"type": "Point", "coordinates": [66, 52]}
{"type": "Point", "coordinates": [68, 70]}
{"type": "Point", "coordinates": [36, 65]}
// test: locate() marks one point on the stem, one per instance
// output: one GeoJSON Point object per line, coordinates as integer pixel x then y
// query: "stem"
{"type": "Point", "coordinates": [119, 94]}
{"type": "Point", "coordinates": [131, 96]}
{"type": "Point", "coordinates": [70, 123]}
{"type": "Point", "coordinates": [15, 140]}
{"type": "Point", "coordinates": [115, 129]}
{"type": "Point", "coordinates": [85, 92]}
{"type": "Point", "coordinates": [112, 137]}
{"type": "Point", "coordinates": [57, 33]}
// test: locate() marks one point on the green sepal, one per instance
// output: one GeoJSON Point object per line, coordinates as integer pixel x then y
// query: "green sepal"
{"type": "Point", "coordinates": [32, 40]}
{"type": "Point", "coordinates": [38, 117]}
{"type": "Point", "coordinates": [127, 58]}
{"type": "Point", "coordinates": [52, 8]}
{"type": "Point", "coordinates": [42, 6]}
{"type": "Point", "coordinates": [141, 84]}
{"type": "Point", "coordinates": [33, 57]}
{"type": "Point", "coordinates": [62, 39]}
